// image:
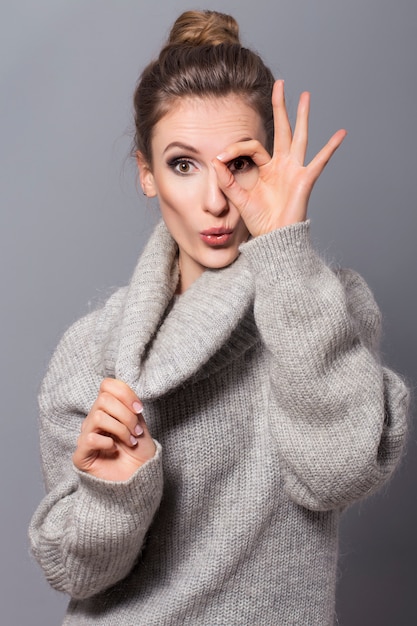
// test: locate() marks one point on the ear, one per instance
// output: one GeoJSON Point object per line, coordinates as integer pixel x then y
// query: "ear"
{"type": "Point", "coordinates": [146, 178]}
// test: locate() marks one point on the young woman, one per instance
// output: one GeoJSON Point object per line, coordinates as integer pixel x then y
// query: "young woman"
{"type": "Point", "coordinates": [202, 432]}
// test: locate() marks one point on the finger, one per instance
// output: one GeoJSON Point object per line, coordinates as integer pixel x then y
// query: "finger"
{"type": "Point", "coordinates": [146, 445]}
{"type": "Point", "coordinates": [235, 185]}
{"type": "Point", "coordinates": [251, 148]}
{"type": "Point", "coordinates": [319, 162]}
{"type": "Point", "coordinates": [143, 425]}
{"type": "Point", "coordinates": [300, 138]}
{"type": "Point", "coordinates": [282, 126]}
{"type": "Point", "coordinates": [122, 392]}
{"type": "Point", "coordinates": [88, 448]}
{"type": "Point", "coordinates": [111, 406]}
{"type": "Point", "coordinates": [234, 192]}
{"type": "Point", "coordinates": [103, 423]}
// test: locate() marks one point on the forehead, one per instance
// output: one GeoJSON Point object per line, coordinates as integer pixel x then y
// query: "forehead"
{"type": "Point", "coordinates": [210, 123]}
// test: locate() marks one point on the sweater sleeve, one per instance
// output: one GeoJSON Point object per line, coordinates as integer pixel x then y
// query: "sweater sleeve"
{"type": "Point", "coordinates": [337, 417]}
{"type": "Point", "coordinates": [87, 533]}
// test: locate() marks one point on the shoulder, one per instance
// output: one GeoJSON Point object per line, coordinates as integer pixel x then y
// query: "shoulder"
{"type": "Point", "coordinates": [96, 327]}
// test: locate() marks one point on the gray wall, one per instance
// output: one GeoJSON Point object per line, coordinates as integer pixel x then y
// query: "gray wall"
{"type": "Point", "coordinates": [73, 225]}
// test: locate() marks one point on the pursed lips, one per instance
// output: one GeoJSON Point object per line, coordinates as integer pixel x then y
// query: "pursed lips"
{"type": "Point", "coordinates": [216, 236]}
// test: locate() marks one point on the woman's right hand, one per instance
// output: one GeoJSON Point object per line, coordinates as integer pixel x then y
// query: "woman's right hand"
{"type": "Point", "coordinates": [114, 440]}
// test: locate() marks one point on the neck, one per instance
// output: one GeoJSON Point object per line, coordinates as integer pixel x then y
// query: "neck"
{"type": "Point", "coordinates": [187, 276]}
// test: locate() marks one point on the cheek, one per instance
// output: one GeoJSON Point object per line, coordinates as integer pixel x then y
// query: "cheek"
{"type": "Point", "coordinates": [249, 179]}
{"type": "Point", "coordinates": [177, 210]}
{"type": "Point", "coordinates": [179, 196]}
{"type": "Point", "coordinates": [169, 199]}
{"type": "Point", "coordinates": [243, 232]}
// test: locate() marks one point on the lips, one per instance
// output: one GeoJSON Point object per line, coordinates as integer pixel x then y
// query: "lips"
{"type": "Point", "coordinates": [216, 236]}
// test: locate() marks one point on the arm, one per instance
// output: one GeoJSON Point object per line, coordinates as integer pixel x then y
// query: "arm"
{"type": "Point", "coordinates": [88, 531]}
{"type": "Point", "coordinates": [337, 417]}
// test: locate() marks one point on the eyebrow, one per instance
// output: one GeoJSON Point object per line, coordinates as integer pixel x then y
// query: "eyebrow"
{"type": "Point", "coordinates": [188, 148]}
{"type": "Point", "coordinates": [183, 146]}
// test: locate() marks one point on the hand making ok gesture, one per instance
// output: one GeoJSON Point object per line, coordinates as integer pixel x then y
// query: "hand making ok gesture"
{"type": "Point", "coordinates": [284, 184]}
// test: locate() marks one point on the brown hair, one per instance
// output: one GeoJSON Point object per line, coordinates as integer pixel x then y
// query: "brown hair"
{"type": "Point", "coordinates": [203, 57]}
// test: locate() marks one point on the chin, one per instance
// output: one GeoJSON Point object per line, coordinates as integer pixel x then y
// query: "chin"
{"type": "Point", "coordinates": [219, 263]}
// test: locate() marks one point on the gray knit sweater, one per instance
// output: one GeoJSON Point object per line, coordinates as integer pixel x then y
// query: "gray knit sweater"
{"type": "Point", "coordinates": [271, 413]}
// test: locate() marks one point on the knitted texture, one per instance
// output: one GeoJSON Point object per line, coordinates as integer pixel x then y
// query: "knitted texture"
{"type": "Point", "coordinates": [271, 413]}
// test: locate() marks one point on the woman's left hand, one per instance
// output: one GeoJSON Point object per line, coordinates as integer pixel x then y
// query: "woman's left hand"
{"type": "Point", "coordinates": [281, 193]}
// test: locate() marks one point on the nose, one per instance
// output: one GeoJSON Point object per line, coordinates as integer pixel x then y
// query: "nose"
{"type": "Point", "coordinates": [215, 201]}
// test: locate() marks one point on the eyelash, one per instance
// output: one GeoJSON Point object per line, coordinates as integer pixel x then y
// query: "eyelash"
{"type": "Point", "coordinates": [174, 163]}
{"type": "Point", "coordinates": [177, 161]}
{"type": "Point", "coordinates": [249, 164]}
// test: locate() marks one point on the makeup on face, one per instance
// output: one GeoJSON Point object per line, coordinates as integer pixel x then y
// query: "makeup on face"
{"type": "Point", "coordinates": [206, 226]}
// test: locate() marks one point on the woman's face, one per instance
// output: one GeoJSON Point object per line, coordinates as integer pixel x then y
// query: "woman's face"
{"type": "Point", "coordinates": [206, 226]}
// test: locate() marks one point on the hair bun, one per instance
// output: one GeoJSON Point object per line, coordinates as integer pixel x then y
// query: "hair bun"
{"type": "Point", "coordinates": [199, 28]}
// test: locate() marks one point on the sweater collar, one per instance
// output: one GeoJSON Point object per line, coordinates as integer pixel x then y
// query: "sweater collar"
{"type": "Point", "coordinates": [156, 354]}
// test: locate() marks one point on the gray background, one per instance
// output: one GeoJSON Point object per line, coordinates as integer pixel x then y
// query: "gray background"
{"type": "Point", "coordinates": [73, 224]}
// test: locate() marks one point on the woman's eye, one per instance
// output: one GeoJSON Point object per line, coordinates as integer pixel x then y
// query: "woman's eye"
{"type": "Point", "coordinates": [181, 166]}
{"type": "Point", "coordinates": [240, 164]}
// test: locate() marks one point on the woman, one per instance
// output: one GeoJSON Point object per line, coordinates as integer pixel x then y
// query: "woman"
{"type": "Point", "coordinates": [202, 432]}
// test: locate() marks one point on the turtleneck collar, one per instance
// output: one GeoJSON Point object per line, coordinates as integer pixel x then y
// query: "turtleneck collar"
{"type": "Point", "coordinates": [157, 354]}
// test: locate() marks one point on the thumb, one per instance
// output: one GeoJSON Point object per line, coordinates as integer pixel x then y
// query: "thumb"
{"type": "Point", "coordinates": [145, 448]}
{"type": "Point", "coordinates": [238, 196]}
{"type": "Point", "coordinates": [142, 424]}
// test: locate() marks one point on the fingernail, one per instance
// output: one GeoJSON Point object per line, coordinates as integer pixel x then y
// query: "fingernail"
{"type": "Point", "coordinates": [138, 430]}
{"type": "Point", "coordinates": [133, 440]}
{"type": "Point", "coordinates": [223, 156]}
{"type": "Point", "coordinates": [137, 407]}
